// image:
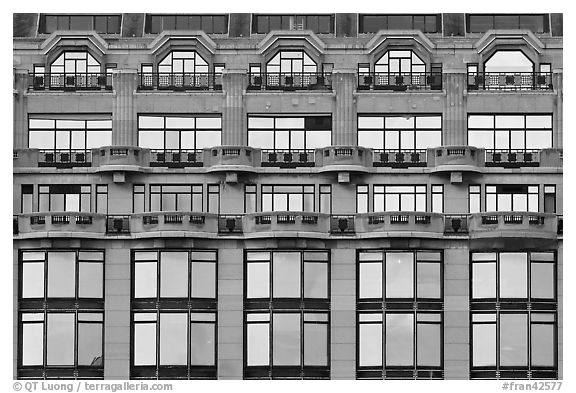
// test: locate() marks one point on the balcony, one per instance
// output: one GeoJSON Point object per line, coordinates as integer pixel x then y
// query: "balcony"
{"type": "Point", "coordinates": [124, 158]}
{"type": "Point", "coordinates": [512, 158]}
{"type": "Point", "coordinates": [401, 224]}
{"type": "Point", "coordinates": [69, 81]}
{"type": "Point", "coordinates": [516, 81]}
{"type": "Point", "coordinates": [343, 158]}
{"type": "Point", "coordinates": [68, 222]}
{"type": "Point", "coordinates": [198, 81]}
{"type": "Point", "coordinates": [183, 222]}
{"type": "Point", "coordinates": [342, 225]}
{"type": "Point", "coordinates": [290, 81]}
{"type": "Point", "coordinates": [455, 224]}
{"type": "Point", "coordinates": [118, 224]}
{"type": "Point", "coordinates": [176, 158]}
{"type": "Point", "coordinates": [519, 225]}
{"type": "Point", "coordinates": [230, 224]}
{"type": "Point", "coordinates": [287, 223]}
{"type": "Point", "coordinates": [64, 158]}
{"type": "Point", "coordinates": [232, 158]}
{"type": "Point", "coordinates": [395, 81]}
{"type": "Point", "coordinates": [456, 158]}
{"type": "Point", "coordinates": [399, 158]}
{"type": "Point", "coordinates": [288, 158]}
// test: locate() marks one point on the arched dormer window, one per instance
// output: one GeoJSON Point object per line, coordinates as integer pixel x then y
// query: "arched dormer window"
{"type": "Point", "coordinates": [400, 69]}
{"type": "Point", "coordinates": [76, 70]}
{"type": "Point", "coordinates": [290, 70]}
{"type": "Point", "coordinates": [182, 70]}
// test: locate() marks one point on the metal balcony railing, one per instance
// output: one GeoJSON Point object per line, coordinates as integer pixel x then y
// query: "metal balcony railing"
{"type": "Point", "coordinates": [513, 81]}
{"type": "Point", "coordinates": [70, 81]}
{"type": "Point", "coordinates": [176, 158]}
{"type": "Point", "coordinates": [455, 224]}
{"type": "Point", "coordinates": [290, 81]}
{"type": "Point", "coordinates": [288, 158]}
{"type": "Point", "coordinates": [399, 158]}
{"type": "Point", "coordinates": [230, 224]}
{"type": "Point", "coordinates": [513, 158]}
{"type": "Point", "coordinates": [117, 224]}
{"type": "Point", "coordinates": [180, 81]}
{"type": "Point", "coordinates": [342, 225]}
{"type": "Point", "coordinates": [64, 158]}
{"type": "Point", "coordinates": [399, 81]}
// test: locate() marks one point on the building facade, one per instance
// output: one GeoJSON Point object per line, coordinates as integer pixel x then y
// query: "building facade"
{"type": "Point", "coordinates": [336, 196]}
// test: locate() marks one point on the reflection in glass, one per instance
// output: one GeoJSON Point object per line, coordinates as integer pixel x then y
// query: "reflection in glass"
{"type": "Point", "coordinates": [542, 280]}
{"type": "Point", "coordinates": [399, 275]}
{"type": "Point", "coordinates": [429, 344]}
{"type": "Point", "coordinates": [483, 345]}
{"type": "Point", "coordinates": [371, 280]}
{"type": "Point", "coordinates": [315, 344]}
{"type": "Point", "coordinates": [258, 280]}
{"type": "Point", "coordinates": [513, 340]}
{"type": "Point", "coordinates": [32, 344]}
{"type": "Point", "coordinates": [286, 274]}
{"type": "Point", "coordinates": [202, 340]}
{"type": "Point", "coordinates": [370, 350]}
{"type": "Point", "coordinates": [89, 344]}
{"type": "Point", "coordinates": [33, 280]}
{"type": "Point", "coordinates": [286, 339]}
{"type": "Point", "coordinates": [513, 275]}
{"type": "Point", "coordinates": [61, 274]}
{"type": "Point", "coordinates": [484, 280]}
{"type": "Point", "coordinates": [315, 280]}
{"type": "Point", "coordinates": [428, 280]}
{"type": "Point", "coordinates": [258, 349]}
{"type": "Point", "coordinates": [542, 349]}
{"type": "Point", "coordinates": [174, 274]}
{"type": "Point", "coordinates": [144, 344]}
{"type": "Point", "coordinates": [399, 339]}
{"type": "Point", "coordinates": [145, 279]}
{"type": "Point", "coordinates": [60, 339]}
{"type": "Point", "coordinates": [90, 277]}
{"type": "Point", "coordinates": [173, 336]}
{"type": "Point", "coordinates": [203, 279]}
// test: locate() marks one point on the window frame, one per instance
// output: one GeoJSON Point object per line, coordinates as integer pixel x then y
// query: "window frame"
{"type": "Point", "coordinates": [42, 25]}
{"type": "Point", "coordinates": [204, 18]}
{"type": "Point", "coordinates": [415, 193]}
{"type": "Point", "coordinates": [55, 129]}
{"type": "Point", "coordinates": [437, 30]}
{"type": "Point", "coordinates": [497, 193]}
{"type": "Point", "coordinates": [80, 193]}
{"type": "Point", "coordinates": [302, 193]}
{"type": "Point", "coordinates": [545, 22]}
{"type": "Point", "coordinates": [153, 191]}
{"type": "Point", "coordinates": [290, 18]}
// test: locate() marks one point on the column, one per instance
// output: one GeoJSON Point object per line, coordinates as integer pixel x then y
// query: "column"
{"type": "Point", "coordinates": [20, 109]}
{"type": "Point", "coordinates": [234, 132]}
{"type": "Point", "coordinates": [344, 123]}
{"type": "Point", "coordinates": [454, 116]}
{"type": "Point", "coordinates": [124, 119]}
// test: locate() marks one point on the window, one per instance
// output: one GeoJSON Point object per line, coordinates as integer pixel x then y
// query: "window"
{"type": "Point", "coordinates": [105, 24]}
{"type": "Point", "coordinates": [183, 62]}
{"type": "Point", "coordinates": [438, 199]}
{"type": "Point", "coordinates": [288, 198]}
{"type": "Point", "coordinates": [287, 314]}
{"type": "Point", "coordinates": [27, 196]}
{"type": "Point", "coordinates": [510, 132]}
{"type": "Point", "coordinates": [213, 199]}
{"type": "Point", "coordinates": [399, 298]}
{"type": "Point", "coordinates": [68, 134]}
{"type": "Point", "coordinates": [64, 198]}
{"type": "Point", "coordinates": [361, 198]}
{"type": "Point", "coordinates": [250, 205]}
{"type": "Point", "coordinates": [210, 24]}
{"type": "Point", "coordinates": [138, 194]}
{"type": "Point", "coordinates": [291, 62]}
{"type": "Point", "coordinates": [480, 23]}
{"type": "Point", "coordinates": [171, 198]}
{"type": "Point", "coordinates": [520, 198]}
{"type": "Point", "coordinates": [400, 132]}
{"type": "Point", "coordinates": [289, 133]}
{"type": "Point", "coordinates": [319, 24]}
{"type": "Point", "coordinates": [174, 314]}
{"type": "Point", "coordinates": [399, 198]}
{"type": "Point", "coordinates": [508, 61]}
{"type": "Point", "coordinates": [75, 63]}
{"type": "Point", "coordinates": [513, 315]}
{"type": "Point", "coordinates": [474, 205]}
{"type": "Point", "coordinates": [102, 199]}
{"type": "Point", "coordinates": [179, 133]}
{"type": "Point", "coordinates": [399, 62]}
{"type": "Point", "coordinates": [61, 303]}
{"type": "Point", "coordinates": [370, 23]}
{"type": "Point", "coordinates": [326, 199]}
{"type": "Point", "coordinates": [550, 199]}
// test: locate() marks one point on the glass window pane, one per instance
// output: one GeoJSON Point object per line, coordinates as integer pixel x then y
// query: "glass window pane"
{"type": "Point", "coordinates": [483, 139]}
{"type": "Point", "coordinates": [429, 345]}
{"type": "Point", "coordinates": [371, 139]}
{"type": "Point", "coordinates": [204, 280]}
{"type": "Point", "coordinates": [370, 122]}
{"type": "Point", "coordinates": [399, 275]}
{"type": "Point", "coordinates": [315, 344]}
{"type": "Point", "coordinates": [173, 335]}
{"type": "Point", "coordinates": [208, 139]}
{"type": "Point", "coordinates": [90, 280]}
{"type": "Point", "coordinates": [145, 344]}
{"type": "Point", "coordinates": [258, 344]}
{"type": "Point", "coordinates": [542, 277]}
{"type": "Point", "coordinates": [41, 140]}
{"type": "Point", "coordinates": [316, 280]}
{"type": "Point", "coordinates": [399, 339]}
{"type": "Point", "coordinates": [33, 280]}
{"type": "Point", "coordinates": [202, 344]}
{"type": "Point", "coordinates": [286, 274]}
{"type": "Point", "coordinates": [479, 121]}
{"type": "Point", "coordinates": [32, 344]}
{"type": "Point", "coordinates": [286, 339]}
{"type": "Point", "coordinates": [61, 274]}
{"type": "Point", "coordinates": [96, 139]}
{"type": "Point", "coordinates": [542, 347]}
{"type": "Point", "coordinates": [538, 139]}
{"type": "Point", "coordinates": [370, 342]}
{"type": "Point", "coordinates": [174, 274]}
{"type": "Point", "coordinates": [261, 139]}
{"type": "Point", "coordinates": [315, 139]}
{"type": "Point", "coordinates": [145, 279]}
{"type": "Point", "coordinates": [484, 345]}
{"type": "Point", "coordinates": [370, 280]}
{"type": "Point", "coordinates": [483, 280]}
{"type": "Point", "coordinates": [513, 339]}
{"type": "Point", "coordinates": [428, 280]}
{"type": "Point", "coordinates": [513, 275]}
{"type": "Point", "coordinates": [258, 280]}
{"type": "Point", "coordinates": [89, 344]}
{"type": "Point", "coordinates": [151, 139]}
{"type": "Point", "coordinates": [60, 340]}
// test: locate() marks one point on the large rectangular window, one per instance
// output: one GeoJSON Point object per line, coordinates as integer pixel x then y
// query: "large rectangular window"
{"type": "Point", "coordinates": [510, 132]}
{"type": "Point", "coordinates": [179, 133]}
{"type": "Point", "coordinates": [400, 132]}
{"type": "Point", "coordinates": [210, 24]}
{"type": "Point", "coordinates": [287, 314]}
{"type": "Point", "coordinates": [288, 198]}
{"type": "Point", "coordinates": [372, 23]}
{"type": "Point", "coordinates": [521, 198]}
{"type": "Point", "coordinates": [61, 303]}
{"type": "Point", "coordinates": [176, 197]}
{"type": "Point", "coordinates": [400, 198]}
{"type": "Point", "coordinates": [319, 24]}
{"type": "Point", "coordinates": [513, 315]}
{"type": "Point", "coordinates": [174, 314]}
{"type": "Point", "coordinates": [480, 23]}
{"type": "Point", "coordinates": [289, 133]}
{"type": "Point", "coordinates": [47, 133]}
{"type": "Point", "coordinates": [104, 24]}
{"type": "Point", "coordinates": [64, 198]}
{"type": "Point", "coordinates": [399, 303]}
